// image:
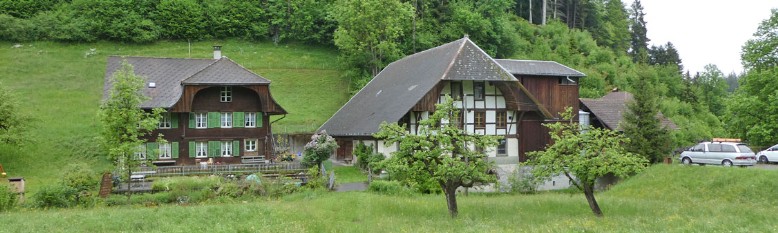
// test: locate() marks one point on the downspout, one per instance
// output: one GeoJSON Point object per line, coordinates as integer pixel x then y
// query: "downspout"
{"type": "Point", "coordinates": [272, 138]}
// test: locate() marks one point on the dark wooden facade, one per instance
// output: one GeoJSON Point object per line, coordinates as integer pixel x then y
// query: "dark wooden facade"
{"type": "Point", "coordinates": [555, 95]}
{"type": "Point", "coordinates": [206, 99]}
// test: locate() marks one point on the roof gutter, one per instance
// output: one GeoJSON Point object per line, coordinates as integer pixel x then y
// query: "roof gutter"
{"type": "Point", "coordinates": [282, 117]}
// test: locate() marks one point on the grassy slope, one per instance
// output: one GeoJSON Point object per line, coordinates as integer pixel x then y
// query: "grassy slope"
{"type": "Point", "coordinates": [62, 87]}
{"type": "Point", "coordinates": [662, 199]}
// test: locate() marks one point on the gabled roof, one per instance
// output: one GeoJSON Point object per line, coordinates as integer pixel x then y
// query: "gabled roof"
{"type": "Point", "coordinates": [399, 86]}
{"type": "Point", "coordinates": [610, 109]}
{"type": "Point", "coordinates": [540, 68]}
{"type": "Point", "coordinates": [170, 74]}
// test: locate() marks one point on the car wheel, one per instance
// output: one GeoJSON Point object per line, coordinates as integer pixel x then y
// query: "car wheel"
{"type": "Point", "coordinates": [686, 161]}
{"type": "Point", "coordinates": [726, 163]}
{"type": "Point", "coordinates": [763, 159]}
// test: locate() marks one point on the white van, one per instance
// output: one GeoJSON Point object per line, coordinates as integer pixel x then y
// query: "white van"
{"type": "Point", "coordinates": [724, 153]}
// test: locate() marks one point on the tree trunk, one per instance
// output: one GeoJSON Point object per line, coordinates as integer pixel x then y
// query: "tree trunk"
{"type": "Point", "coordinates": [451, 200]}
{"type": "Point", "coordinates": [589, 193]}
{"type": "Point", "coordinates": [530, 11]}
{"type": "Point", "coordinates": [129, 181]}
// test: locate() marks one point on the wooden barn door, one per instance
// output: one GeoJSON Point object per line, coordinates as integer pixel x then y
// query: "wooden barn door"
{"type": "Point", "coordinates": [533, 136]}
{"type": "Point", "coordinates": [344, 152]}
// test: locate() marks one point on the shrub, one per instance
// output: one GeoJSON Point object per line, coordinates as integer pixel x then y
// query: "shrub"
{"type": "Point", "coordinates": [390, 187]}
{"type": "Point", "coordinates": [7, 198]}
{"type": "Point", "coordinates": [230, 189]}
{"type": "Point", "coordinates": [521, 180]}
{"type": "Point", "coordinates": [81, 177]}
{"type": "Point", "coordinates": [56, 196]}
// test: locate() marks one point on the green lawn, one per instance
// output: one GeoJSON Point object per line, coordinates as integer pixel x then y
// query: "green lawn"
{"type": "Point", "coordinates": [662, 199]}
{"type": "Point", "coordinates": [61, 85]}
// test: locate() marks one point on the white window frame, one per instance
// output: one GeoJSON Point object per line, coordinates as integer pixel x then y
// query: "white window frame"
{"type": "Point", "coordinates": [201, 149]}
{"type": "Point", "coordinates": [165, 151]}
{"type": "Point", "coordinates": [140, 152]}
{"type": "Point", "coordinates": [164, 123]}
{"type": "Point", "coordinates": [250, 120]}
{"type": "Point", "coordinates": [226, 150]}
{"type": "Point", "coordinates": [225, 95]}
{"type": "Point", "coordinates": [226, 119]}
{"type": "Point", "coordinates": [250, 145]}
{"type": "Point", "coordinates": [201, 120]}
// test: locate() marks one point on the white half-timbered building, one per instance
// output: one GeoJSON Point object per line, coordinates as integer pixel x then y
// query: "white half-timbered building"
{"type": "Point", "coordinates": [510, 98]}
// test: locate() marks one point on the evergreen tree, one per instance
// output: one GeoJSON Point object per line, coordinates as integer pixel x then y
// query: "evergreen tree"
{"type": "Point", "coordinates": [647, 135]}
{"type": "Point", "coordinates": [639, 49]}
{"type": "Point", "coordinates": [616, 27]}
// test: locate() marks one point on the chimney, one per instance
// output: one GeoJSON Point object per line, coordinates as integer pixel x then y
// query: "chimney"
{"type": "Point", "coordinates": [217, 52]}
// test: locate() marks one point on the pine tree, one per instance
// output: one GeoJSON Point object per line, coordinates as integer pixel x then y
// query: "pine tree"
{"type": "Point", "coordinates": [639, 49]}
{"type": "Point", "coordinates": [647, 135]}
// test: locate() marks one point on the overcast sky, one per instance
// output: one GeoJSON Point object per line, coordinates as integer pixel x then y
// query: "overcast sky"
{"type": "Point", "coordinates": [705, 32]}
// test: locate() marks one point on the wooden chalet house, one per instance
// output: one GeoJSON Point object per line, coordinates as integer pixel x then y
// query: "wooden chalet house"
{"type": "Point", "coordinates": [511, 98]}
{"type": "Point", "coordinates": [217, 110]}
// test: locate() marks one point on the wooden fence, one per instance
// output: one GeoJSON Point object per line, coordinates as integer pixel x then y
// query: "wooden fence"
{"type": "Point", "coordinates": [222, 169]}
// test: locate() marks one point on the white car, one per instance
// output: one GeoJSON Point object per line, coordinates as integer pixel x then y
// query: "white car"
{"type": "Point", "coordinates": [724, 153]}
{"type": "Point", "coordinates": [769, 155]}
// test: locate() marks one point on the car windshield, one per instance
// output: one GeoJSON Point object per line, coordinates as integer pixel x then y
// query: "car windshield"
{"type": "Point", "coordinates": [744, 149]}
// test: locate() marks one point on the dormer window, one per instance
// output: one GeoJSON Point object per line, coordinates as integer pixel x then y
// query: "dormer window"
{"type": "Point", "coordinates": [226, 94]}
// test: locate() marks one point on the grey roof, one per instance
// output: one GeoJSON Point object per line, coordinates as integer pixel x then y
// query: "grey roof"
{"type": "Point", "coordinates": [169, 75]}
{"type": "Point", "coordinates": [610, 109]}
{"type": "Point", "coordinates": [543, 68]}
{"type": "Point", "coordinates": [225, 71]}
{"type": "Point", "coordinates": [399, 86]}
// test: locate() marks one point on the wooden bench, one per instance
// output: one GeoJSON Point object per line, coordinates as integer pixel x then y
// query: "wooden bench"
{"type": "Point", "coordinates": [252, 159]}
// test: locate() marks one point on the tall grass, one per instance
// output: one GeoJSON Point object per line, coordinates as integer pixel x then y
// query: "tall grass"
{"type": "Point", "coordinates": [626, 210]}
{"type": "Point", "coordinates": [61, 85]}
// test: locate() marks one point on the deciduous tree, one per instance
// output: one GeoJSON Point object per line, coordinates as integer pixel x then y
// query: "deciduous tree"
{"type": "Point", "coordinates": [439, 152]}
{"type": "Point", "coordinates": [584, 156]}
{"type": "Point", "coordinates": [319, 149]}
{"type": "Point", "coordinates": [125, 124]}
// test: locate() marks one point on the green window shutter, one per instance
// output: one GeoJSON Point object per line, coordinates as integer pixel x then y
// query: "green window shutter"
{"type": "Point", "coordinates": [174, 148]}
{"type": "Point", "coordinates": [214, 120]}
{"type": "Point", "coordinates": [192, 152]}
{"type": "Point", "coordinates": [174, 120]}
{"type": "Point", "coordinates": [214, 149]}
{"type": "Point", "coordinates": [237, 120]}
{"type": "Point", "coordinates": [259, 119]}
{"type": "Point", "coordinates": [152, 150]}
{"type": "Point", "coordinates": [236, 148]}
{"type": "Point", "coordinates": [191, 120]}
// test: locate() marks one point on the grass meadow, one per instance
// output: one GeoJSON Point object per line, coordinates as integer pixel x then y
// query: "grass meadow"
{"type": "Point", "coordinates": [61, 86]}
{"type": "Point", "coordinates": [662, 199]}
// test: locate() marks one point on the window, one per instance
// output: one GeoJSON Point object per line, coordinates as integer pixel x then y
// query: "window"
{"type": "Point", "coordinates": [164, 123]}
{"type": "Point", "coordinates": [457, 120]}
{"type": "Point", "coordinates": [502, 119]}
{"type": "Point", "coordinates": [567, 81]}
{"type": "Point", "coordinates": [226, 119]}
{"type": "Point", "coordinates": [699, 147]}
{"type": "Point", "coordinates": [226, 94]}
{"type": "Point", "coordinates": [480, 119]}
{"type": "Point", "coordinates": [728, 148]}
{"type": "Point", "coordinates": [140, 152]}
{"type": "Point", "coordinates": [714, 147]}
{"type": "Point", "coordinates": [456, 90]}
{"type": "Point", "coordinates": [478, 90]}
{"type": "Point", "coordinates": [250, 119]}
{"type": "Point", "coordinates": [201, 120]}
{"type": "Point", "coordinates": [501, 147]}
{"type": "Point", "coordinates": [251, 145]}
{"type": "Point", "coordinates": [164, 151]}
{"type": "Point", "coordinates": [226, 148]}
{"type": "Point", "coordinates": [202, 149]}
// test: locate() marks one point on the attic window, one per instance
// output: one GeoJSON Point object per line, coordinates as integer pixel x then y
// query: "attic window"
{"type": "Point", "coordinates": [226, 94]}
{"type": "Point", "coordinates": [152, 85]}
